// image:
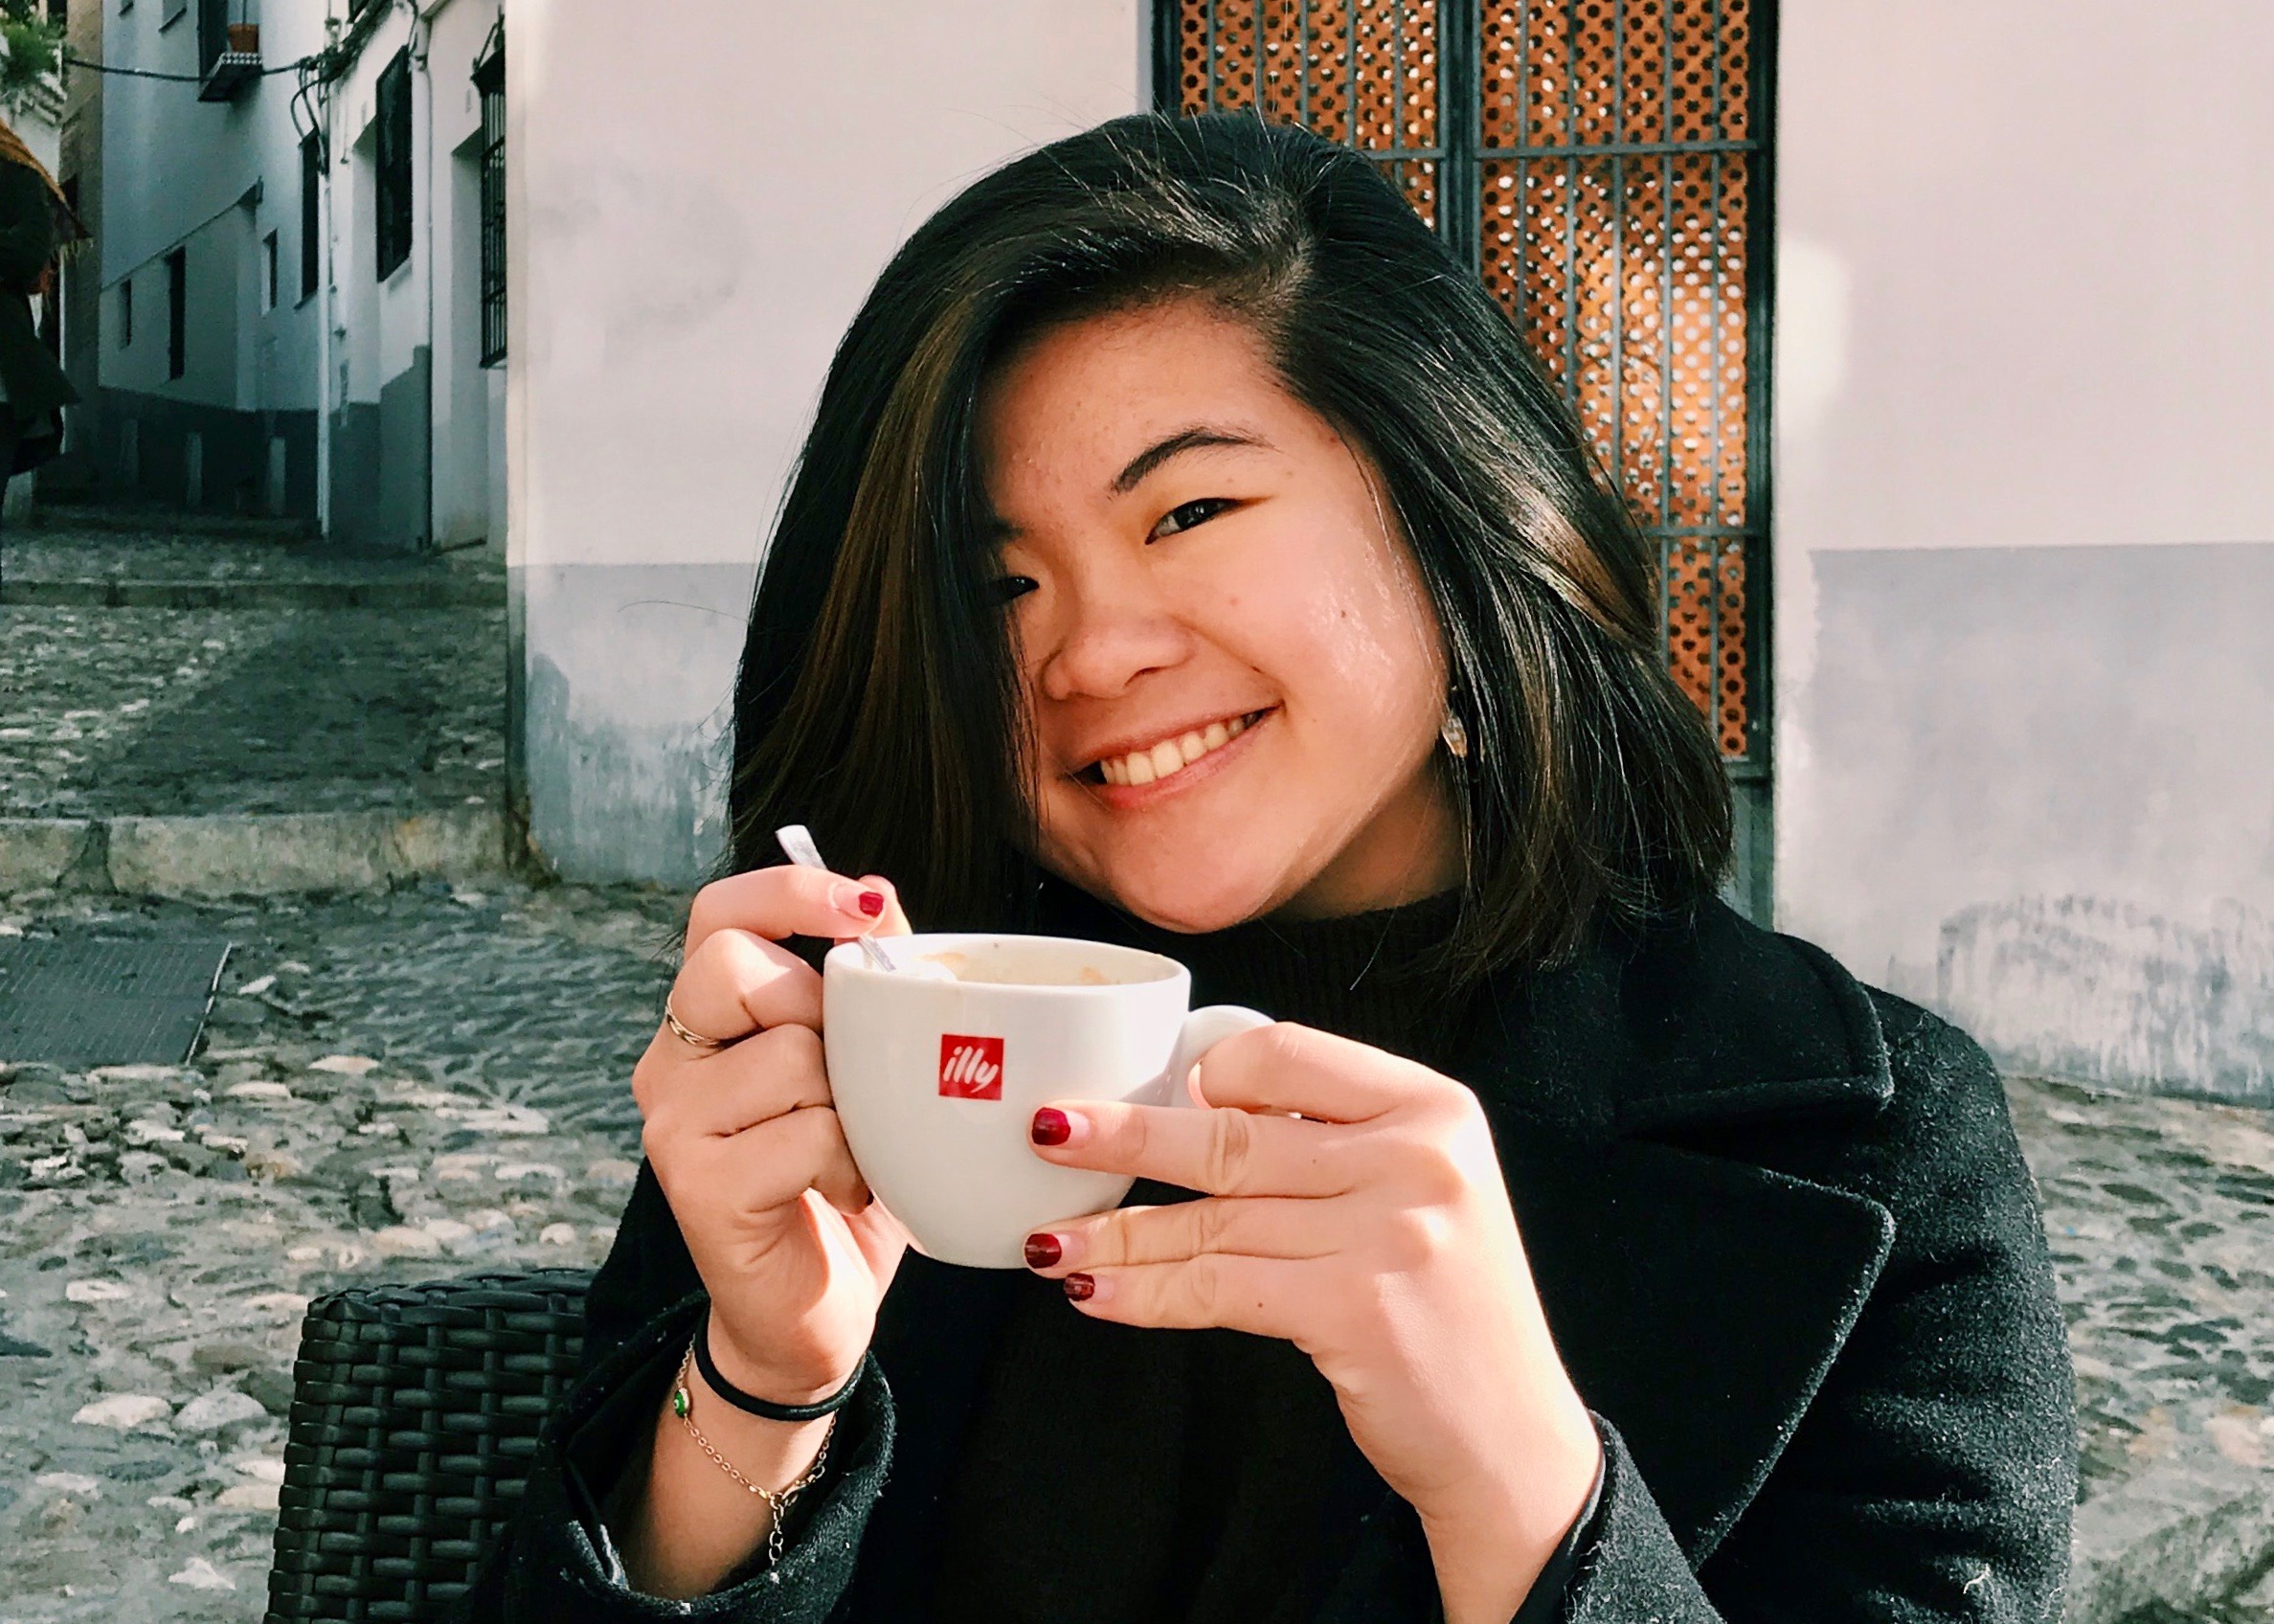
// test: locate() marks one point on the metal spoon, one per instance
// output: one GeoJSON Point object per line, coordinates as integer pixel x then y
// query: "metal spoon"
{"type": "Point", "coordinates": [797, 841]}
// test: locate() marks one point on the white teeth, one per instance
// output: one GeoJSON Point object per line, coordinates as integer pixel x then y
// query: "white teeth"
{"type": "Point", "coordinates": [1170, 754]}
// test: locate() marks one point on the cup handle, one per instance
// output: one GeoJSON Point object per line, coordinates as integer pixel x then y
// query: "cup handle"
{"type": "Point", "coordinates": [1204, 1029]}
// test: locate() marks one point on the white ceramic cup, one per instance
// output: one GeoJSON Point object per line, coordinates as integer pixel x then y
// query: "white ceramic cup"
{"type": "Point", "coordinates": [938, 1080]}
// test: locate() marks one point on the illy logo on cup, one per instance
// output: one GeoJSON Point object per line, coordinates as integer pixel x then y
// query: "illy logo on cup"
{"type": "Point", "coordinates": [970, 1068]}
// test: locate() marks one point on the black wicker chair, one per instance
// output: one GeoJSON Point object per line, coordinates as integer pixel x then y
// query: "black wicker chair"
{"type": "Point", "coordinates": [416, 1411]}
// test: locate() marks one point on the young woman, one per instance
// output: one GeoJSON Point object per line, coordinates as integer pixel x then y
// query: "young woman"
{"type": "Point", "coordinates": [1187, 554]}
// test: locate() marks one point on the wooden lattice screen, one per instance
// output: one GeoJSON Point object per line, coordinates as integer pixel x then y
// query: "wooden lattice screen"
{"type": "Point", "coordinates": [1599, 162]}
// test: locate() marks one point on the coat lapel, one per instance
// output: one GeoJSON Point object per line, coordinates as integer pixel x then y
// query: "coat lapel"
{"type": "Point", "coordinates": [1698, 1299]}
{"type": "Point", "coordinates": [1697, 1303]}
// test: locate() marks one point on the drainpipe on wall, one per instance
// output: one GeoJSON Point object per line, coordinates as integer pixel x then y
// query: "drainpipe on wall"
{"type": "Point", "coordinates": [320, 114]}
{"type": "Point", "coordinates": [422, 40]}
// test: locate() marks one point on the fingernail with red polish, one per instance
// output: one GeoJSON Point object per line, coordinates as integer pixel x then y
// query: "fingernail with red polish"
{"type": "Point", "coordinates": [1052, 1126]}
{"type": "Point", "coordinates": [1043, 1251]}
{"type": "Point", "coordinates": [872, 904]}
{"type": "Point", "coordinates": [1078, 1287]}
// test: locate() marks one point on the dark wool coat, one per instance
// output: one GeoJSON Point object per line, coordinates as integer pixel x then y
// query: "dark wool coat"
{"type": "Point", "coordinates": [32, 374]}
{"type": "Point", "coordinates": [1791, 1253]}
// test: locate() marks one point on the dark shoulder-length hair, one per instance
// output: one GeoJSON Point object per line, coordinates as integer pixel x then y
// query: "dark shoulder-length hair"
{"type": "Point", "coordinates": [878, 701]}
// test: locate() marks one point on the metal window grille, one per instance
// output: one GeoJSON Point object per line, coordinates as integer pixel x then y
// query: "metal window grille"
{"type": "Point", "coordinates": [312, 204]}
{"type": "Point", "coordinates": [1602, 164]}
{"type": "Point", "coordinates": [392, 163]}
{"type": "Point", "coordinates": [490, 79]}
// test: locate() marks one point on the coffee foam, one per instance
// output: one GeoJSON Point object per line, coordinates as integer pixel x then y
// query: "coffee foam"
{"type": "Point", "coordinates": [1028, 967]}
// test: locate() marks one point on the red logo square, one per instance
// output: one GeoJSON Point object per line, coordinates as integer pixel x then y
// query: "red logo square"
{"type": "Point", "coordinates": [970, 1068]}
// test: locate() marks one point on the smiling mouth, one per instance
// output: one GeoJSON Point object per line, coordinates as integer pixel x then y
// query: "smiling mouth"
{"type": "Point", "coordinates": [1171, 756]}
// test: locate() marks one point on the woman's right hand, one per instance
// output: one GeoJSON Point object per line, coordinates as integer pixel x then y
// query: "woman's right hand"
{"type": "Point", "coordinates": [745, 1139]}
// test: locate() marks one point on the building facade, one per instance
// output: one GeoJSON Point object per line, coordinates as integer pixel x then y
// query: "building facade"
{"type": "Point", "coordinates": [2019, 759]}
{"type": "Point", "coordinates": [413, 402]}
{"type": "Point", "coordinates": [290, 242]}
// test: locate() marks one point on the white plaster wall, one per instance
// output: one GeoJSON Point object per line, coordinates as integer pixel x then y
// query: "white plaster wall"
{"type": "Point", "coordinates": [2023, 263]}
{"type": "Point", "coordinates": [697, 210]}
{"type": "Point", "coordinates": [40, 132]}
{"type": "Point", "coordinates": [2024, 458]}
{"type": "Point", "coordinates": [214, 258]}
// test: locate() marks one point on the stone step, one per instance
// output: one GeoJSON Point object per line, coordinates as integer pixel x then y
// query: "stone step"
{"type": "Point", "coordinates": [248, 854]}
{"type": "Point", "coordinates": [440, 590]}
{"type": "Point", "coordinates": [122, 520]}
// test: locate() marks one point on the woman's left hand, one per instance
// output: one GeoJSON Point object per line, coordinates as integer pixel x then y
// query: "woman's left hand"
{"type": "Point", "coordinates": [1374, 1233]}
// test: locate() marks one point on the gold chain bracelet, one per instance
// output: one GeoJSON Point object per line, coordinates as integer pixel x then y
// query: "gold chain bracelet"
{"type": "Point", "coordinates": [778, 1500]}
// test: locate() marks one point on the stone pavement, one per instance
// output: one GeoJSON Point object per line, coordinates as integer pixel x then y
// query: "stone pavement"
{"type": "Point", "coordinates": [2161, 1217]}
{"type": "Point", "coordinates": [228, 707]}
{"type": "Point", "coordinates": [161, 711]}
{"type": "Point", "coordinates": [425, 1082]}
{"type": "Point", "coordinates": [395, 1087]}
{"type": "Point", "coordinates": [150, 675]}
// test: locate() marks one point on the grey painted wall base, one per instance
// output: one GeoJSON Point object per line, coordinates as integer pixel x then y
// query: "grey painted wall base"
{"type": "Point", "coordinates": [626, 682]}
{"type": "Point", "coordinates": [233, 454]}
{"type": "Point", "coordinates": [382, 463]}
{"type": "Point", "coordinates": [2106, 994]}
{"type": "Point", "coordinates": [2035, 788]}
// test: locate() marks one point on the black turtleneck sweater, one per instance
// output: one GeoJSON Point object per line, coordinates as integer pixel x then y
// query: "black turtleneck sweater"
{"type": "Point", "coordinates": [1116, 1473]}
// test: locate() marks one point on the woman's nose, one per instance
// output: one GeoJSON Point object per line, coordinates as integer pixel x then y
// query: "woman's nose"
{"type": "Point", "coordinates": [1108, 639]}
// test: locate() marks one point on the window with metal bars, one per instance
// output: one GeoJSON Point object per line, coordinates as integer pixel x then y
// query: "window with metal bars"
{"type": "Point", "coordinates": [1602, 165]}
{"type": "Point", "coordinates": [391, 165]}
{"type": "Point", "coordinates": [489, 81]}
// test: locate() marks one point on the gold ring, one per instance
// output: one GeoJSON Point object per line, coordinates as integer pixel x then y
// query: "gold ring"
{"type": "Point", "coordinates": [694, 1039]}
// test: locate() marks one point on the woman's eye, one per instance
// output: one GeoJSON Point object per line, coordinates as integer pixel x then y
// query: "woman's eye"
{"type": "Point", "coordinates": [1004, 588]}
{"type": "Point", "coordinates": [1185, 515]}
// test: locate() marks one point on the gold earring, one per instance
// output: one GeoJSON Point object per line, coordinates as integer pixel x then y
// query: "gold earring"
{"type": "Point", "coordinates": [1454, 735]}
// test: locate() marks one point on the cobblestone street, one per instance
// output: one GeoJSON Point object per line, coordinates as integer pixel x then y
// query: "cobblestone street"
{"type": "Point", "coordinates": [426, 1082]}
{"type": "Point", "coordinates": [395, 1087]}
{"type": "Point", "coordinates": [235, 708]}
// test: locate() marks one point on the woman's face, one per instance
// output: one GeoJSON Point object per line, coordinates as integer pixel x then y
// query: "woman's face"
{"type": "Point", "coordinates": [1234, 677]}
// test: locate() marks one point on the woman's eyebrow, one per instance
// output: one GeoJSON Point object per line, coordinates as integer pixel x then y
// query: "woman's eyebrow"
{"type": "Point", "coordinates": [1193, 439]}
